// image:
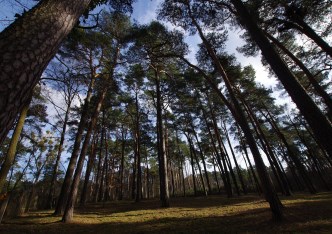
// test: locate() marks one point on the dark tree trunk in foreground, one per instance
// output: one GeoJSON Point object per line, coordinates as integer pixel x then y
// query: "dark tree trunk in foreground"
{"type": "Point", "coordinates": [318, 88]}
{"type": "Point", "coordinates": [26, 47]}
{"type": "Point", "coordinates": [318, 122]}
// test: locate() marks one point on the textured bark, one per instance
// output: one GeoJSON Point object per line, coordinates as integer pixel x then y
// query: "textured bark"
{"type": "Point", "coordinates": [9, 159]}
{"type": "Point", "coordinates": [318, 122]}
{"type": "Point", "coordinates": [26, 47]}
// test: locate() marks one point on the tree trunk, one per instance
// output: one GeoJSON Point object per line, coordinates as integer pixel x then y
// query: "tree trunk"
{"type": "Point", "coordinates": [215, 175]}
{"type": "Point", "coordinates": [73, 159]}
{"type": "Point", "coordinates": [69, 211]}
{"type": "Point", "coordinates": [300, 167]}
{"type": "Point", "coordinates": [235, 160]}
{"type": "Point", "coordinates": [281, 177]}
{"type": "Point", "coordinates": [225, 179]}
{"type": "Point", "coordinates": [99, 167]}
{"type": "Point", "coordinates": [3, 206]}
{"type": "Point", "coordinates": [197, 162]}
{"type": "Point", "coordinates": [244, 147]}
{"type": "Point", "coordinates": [309, 32]}
{"type": "Point", "coordinates": [192, 166]}
{"type": "Point", "coordinates": [228, 162]}
{"type": "Point", "coordinates": [203, 160]}
{"type": "Point", "coordinates": [164, 192]}
{"type": "Point", "coordinates": [138, 152]}
{"type": "Point", "coordinates": [123, 147]}
{"type": "Point", "coordinates": [319, 89]}
{"type": "Point", "coordinates": [318, 122]}
{"type": "Point", "coordinates": [26, 47]}
{"type": "Point", "coordinates": [221, 154]}
{"type": "Point", "coordinates": [49, 203]}
{"type": "Point", "coordinates": [9, 159]}
{"type": "Point", "coordinates": [91, 161]}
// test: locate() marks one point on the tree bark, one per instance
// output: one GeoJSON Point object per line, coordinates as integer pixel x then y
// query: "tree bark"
{"type": "Point", "coordinates": [26, 47]}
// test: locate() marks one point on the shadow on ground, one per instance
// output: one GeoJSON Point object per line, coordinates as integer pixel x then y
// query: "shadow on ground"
{"type": "Point", "coordinates": [303, 214]}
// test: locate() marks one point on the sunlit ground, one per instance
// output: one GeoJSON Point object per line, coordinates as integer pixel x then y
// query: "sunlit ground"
{"type": "Point", "coordinates": [304, 213]}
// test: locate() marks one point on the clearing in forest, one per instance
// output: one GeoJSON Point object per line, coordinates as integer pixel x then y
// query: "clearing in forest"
{"type": "Point", "coordinates": [213, 214]}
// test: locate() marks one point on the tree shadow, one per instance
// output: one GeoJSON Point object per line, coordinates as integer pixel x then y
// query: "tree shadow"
{"type": "Point", "coordinates": [312, 215]}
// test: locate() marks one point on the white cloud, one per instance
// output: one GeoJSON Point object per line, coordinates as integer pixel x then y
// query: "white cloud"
{"type": "Point", "coordinates": [145, 11]}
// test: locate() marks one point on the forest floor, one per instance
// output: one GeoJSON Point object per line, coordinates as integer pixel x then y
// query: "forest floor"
{"type": "Point", "coordinates": [304, 213]}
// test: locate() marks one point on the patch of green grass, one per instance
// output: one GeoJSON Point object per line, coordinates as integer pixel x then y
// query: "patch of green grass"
{"type": "Point", "coordinates": [214, 214]}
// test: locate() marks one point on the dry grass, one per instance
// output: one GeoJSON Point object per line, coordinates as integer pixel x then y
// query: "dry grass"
{"type": "Point", "coordinates": [215, 214]}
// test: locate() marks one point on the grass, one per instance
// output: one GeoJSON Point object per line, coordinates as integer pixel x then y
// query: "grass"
{"type": "Point", "coordinates": [214, 214]}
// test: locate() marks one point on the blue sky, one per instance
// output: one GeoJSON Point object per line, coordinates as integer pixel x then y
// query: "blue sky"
{"type": "Point", "coordinates": [145, 12]}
